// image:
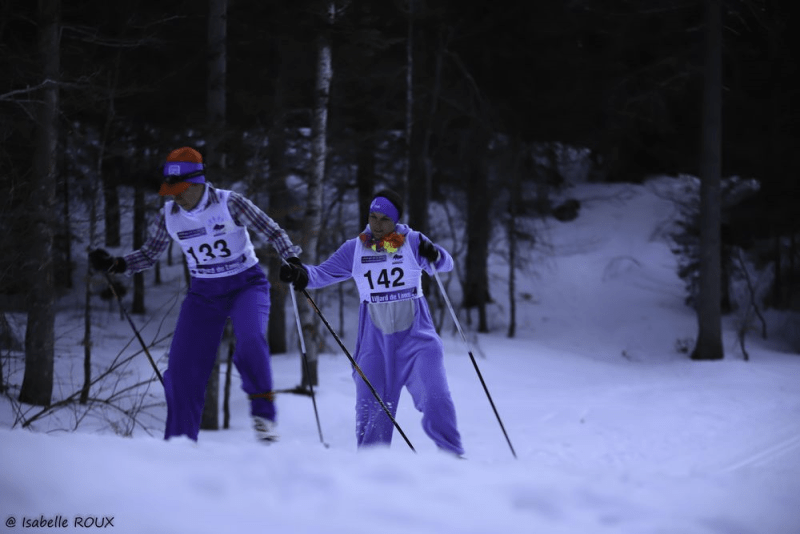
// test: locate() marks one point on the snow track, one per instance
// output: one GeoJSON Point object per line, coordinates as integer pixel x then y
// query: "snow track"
{"type": "Point", "coordinates": [769, 455]}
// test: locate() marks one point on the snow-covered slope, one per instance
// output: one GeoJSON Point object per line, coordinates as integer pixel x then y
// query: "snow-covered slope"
{"type": "Point", "coordinates": [615, 431]}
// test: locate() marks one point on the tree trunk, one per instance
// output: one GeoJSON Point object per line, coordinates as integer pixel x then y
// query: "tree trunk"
{"type": "Point", "coordinates": [3, 330]}
{"type": "Point", "coordinates": [109, 172]}
{"type": "Point", "coordinates": [312, 221]}
{"type": "Point", "coordinates": [709, 314]}
{"type": "Point", "coordinates": [281, 202]}
{"type": "Point", "coordinates": [545, 165]}
{"type": "Point", "coordinates": [63, 238]}
{"type": "Point", "coordinates": [419, 191]}
{"type": "Point", "coordinates": [420, 180]}
{"type": "Point", "coordinates": [98, 180]}
{"type": "Point", "coordinates": [515, 192]}
{"type": "Point", "coordinates": [37, 383]}
{"type": "Point", "coordinates": [365, 176]}
{"type": "Point", "coordinates": [276, 328]}
{"type": "Point", "coordinates": [476, 290]}
{"type": "Point", "coordinates": [777, 284]}
{"type": "Point", "coordinates": [276, 331]}
{"type": "Point", "coordinates": [408, 170]}
{"type": "Point", "coordinates": [792, 266]}
{"type": "Point", "coordinates": [217, 83]}
{"type": "Point", "coordinates": [111, 206]}
{"type": "Point", "coordinates": [139, 232]}
{"type": "Point", "coordinates": [215, 156]}
{"type": "Point", "coordinates": [87, 312]}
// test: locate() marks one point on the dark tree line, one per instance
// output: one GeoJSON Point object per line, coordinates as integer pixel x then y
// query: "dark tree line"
{"type": "Point", "coordinates": [420, 95]}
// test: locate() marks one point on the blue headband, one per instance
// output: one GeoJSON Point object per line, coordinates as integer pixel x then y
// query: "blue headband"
{"type": "Point", "coordinates": [385, 206]}
{"type": "Point", "coordinates": [184, 171]}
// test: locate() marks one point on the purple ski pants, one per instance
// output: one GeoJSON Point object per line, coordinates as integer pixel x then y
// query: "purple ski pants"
{"type": "Point", "coordinates": [244, 298]}
{"type": "Point", "coordinates": [413, 359]}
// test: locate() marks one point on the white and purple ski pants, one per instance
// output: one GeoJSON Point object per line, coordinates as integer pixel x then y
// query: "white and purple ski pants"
{"type": "Point", "coordinates": [413, 358]}
{"type": "Point", "coordinates": [243, 297]}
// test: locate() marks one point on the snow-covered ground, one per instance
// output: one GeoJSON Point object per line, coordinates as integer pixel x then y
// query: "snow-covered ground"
{"type": "Point", "coordinates": [615, 430]}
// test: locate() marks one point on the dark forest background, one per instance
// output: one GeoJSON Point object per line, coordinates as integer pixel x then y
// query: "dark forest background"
{"type": "Point", "coordinates": [500, 92]}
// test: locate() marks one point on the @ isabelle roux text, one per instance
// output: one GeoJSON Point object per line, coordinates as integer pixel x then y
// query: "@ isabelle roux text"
{"type": "Point", "coordinates": [60, 521]}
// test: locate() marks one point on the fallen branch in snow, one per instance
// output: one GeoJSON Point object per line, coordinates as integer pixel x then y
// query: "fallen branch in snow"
{"type": "Point", "coordinates": [120, 394]}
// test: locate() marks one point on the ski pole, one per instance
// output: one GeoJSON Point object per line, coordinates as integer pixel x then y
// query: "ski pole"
{"type": "Point", "coordinates": [471, 356]}
{"type": "Point", "coordinates": [135, 331]}
{"type": "Point", "coordinates": [357, 368]}
{"type": "Point", "coordinates": [305, 365]}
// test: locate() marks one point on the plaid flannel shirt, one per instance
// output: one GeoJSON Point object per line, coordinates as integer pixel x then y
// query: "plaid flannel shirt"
{"type": "Point", "coordinates": [244, 213]}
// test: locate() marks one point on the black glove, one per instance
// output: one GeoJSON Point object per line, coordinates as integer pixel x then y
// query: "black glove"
{"type": "Point", "coordinates": [294, 273]}
{"type": "Point", "coordinates": [428, 251]}
{"type": "Point", "coordinates": [103, 261]}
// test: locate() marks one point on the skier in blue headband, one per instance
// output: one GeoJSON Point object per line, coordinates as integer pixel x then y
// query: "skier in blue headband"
{"type": "Point", "coordinates": [397, 342]}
